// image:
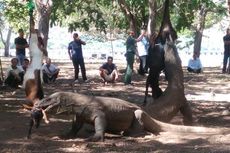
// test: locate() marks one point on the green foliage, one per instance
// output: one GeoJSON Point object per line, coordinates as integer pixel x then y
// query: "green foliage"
{"type": "Point", "coordinates": [1, 45]}
{"type": "Point", "coordinates": [16, 14]}
{"type": "Point", "coordinates": [185, 12]}
{"type": "Point", "coordinates": [104, 15]}
{"type": "Point", "coordinates": [77, 14]}
{"type": "Point", "coordinates": [101, 14]}
{"type": "Point", "coordinates": [140, 11]}
{"type": "Point", "coordinates": [1, 15]}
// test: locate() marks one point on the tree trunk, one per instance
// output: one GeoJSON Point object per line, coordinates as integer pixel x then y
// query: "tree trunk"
{"type": "Point", "coordinates": [129, 15]}
{"type": "Point", "coordinates": [7, 42]}
{"type": "Point", "coordinates": [199, 30]}
{"type": "Point", "coordinates": [165, 56]}
{"type": "Point", "coordinates": [7, 45]}
{"type": "Point", "coordinates": [43, 18]}
{"type": "Point", "coordinates": [152, 20]}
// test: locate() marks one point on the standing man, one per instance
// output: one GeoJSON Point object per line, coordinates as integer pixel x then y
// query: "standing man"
{"type": "Point", "coordinates": [226, 51]}
{"type": "Point", "coordinates": [142, 47]}
{"type": "Point", "coordinates": [131, 50]}
{"type": "Point", "coordinates": [75, 54]}
{"type": "Point", "coordinates": [21, 45]}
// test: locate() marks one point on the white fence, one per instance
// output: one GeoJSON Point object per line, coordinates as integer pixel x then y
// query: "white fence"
{"type": "Point", "coordinates": [208, 59]}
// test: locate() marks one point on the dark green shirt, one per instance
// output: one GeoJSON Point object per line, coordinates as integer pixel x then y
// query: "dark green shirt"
{"type": "Point", "coordinates": [130, 45]}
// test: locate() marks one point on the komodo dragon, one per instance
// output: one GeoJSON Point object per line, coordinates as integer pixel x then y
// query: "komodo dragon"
{"type": "Point", "coordinates": [110, 115]}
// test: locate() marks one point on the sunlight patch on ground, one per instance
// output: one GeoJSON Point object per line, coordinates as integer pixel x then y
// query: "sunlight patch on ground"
{"type": "Point", "coordinates": [211, 96]}
{"type": "Point", "coordinates": [75, 148]}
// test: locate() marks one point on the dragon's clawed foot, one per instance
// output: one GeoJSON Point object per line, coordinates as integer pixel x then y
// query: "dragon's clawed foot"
{"type": "Point", "coordinates": [96, 137]}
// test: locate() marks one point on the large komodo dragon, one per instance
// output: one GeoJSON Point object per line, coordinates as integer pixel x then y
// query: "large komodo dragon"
{"type": "Point", "coordinates": [110, 115]}
{"type": "Point", "coordinates": [173, 98]}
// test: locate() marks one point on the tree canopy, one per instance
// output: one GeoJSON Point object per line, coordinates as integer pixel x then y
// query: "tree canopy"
{"type": "Point", "coordinates": [103, 15]}
{"type": "Point", "coordinates": [188, 17]}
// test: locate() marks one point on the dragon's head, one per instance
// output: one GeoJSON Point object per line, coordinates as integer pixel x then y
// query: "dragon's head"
{"type": "Point", "coordinates": [42, 106]}
{"type": "Point", "coordinates": [49, 102]}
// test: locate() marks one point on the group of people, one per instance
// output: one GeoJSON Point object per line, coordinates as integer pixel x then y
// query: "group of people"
{"type": "Point", "coordinates": [15, 72]}
{"type": "Point", "coordinates": [19, 64]}
{"type": "Point", "coordinates": [108, 71]}
{"type": "Point", "coordinates": [195, 65]}
{"type": "Point", "coordinates": [134, 46]}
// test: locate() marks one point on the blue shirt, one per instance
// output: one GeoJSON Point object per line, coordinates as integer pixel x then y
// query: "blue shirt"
{"type": "Point", "coordinates": [195, 64]}
{"type": "Point", "coordinates": [76, 49]}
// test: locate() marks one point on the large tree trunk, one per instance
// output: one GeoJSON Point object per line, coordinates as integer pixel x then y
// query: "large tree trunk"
{"type": "Point", "coordinates": [43, 17]}
{"type": "Point", "coordinates": [129, 15]}
{"type": "Point", "coordinates": [7, 45]}
{"type": "Point", "coordinates": [6, 42]}
{"type": "Point", "coordinates": [199, 30]}
{"type": "Point", "coordinates": [152, 20]}
{"type": "Point", "coordinates": [155, 59]}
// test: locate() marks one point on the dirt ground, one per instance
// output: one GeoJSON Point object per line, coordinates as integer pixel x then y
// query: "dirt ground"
{"type": "Point", "coordinates": [207, 93]}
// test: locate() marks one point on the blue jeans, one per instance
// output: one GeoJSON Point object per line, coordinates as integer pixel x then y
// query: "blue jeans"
{"type": "Point", "coordinates": [20, 58]}
{"type": "Point", "coordinates": [143, 67]}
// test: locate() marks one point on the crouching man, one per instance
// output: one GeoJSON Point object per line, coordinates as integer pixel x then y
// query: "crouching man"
{"type": "Point", "coordinates": [14, 74]}
{"type": "Point", "coordinates": [108, 71]}
{"type": "Point", "coordinates": [50, 71]}
{"type": "Point", "coordinates": [194, 64]}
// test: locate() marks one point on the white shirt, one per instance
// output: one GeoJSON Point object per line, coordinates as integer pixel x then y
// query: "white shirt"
{"type": "Point", "coordinates": [142, 47]}
{"type": "Point", "coordinates": [36, 58]}
{"type": "Point", "coordinates": [51, 70]}
{"type": "Point", "coordinates": [195, 64]}
{"type": "Point", "coordinates": [18, 70]}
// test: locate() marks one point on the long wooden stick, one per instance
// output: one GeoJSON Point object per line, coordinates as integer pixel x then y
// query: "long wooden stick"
{"type": "Point", "coordinates": [1, 70]}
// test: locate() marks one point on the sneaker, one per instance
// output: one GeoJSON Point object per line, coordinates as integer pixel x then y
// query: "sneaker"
{"type": "Point", "coordinates": [105, 82]}
{"type": "Point", "coordinates": [86, 81]}
{"type": "Point", "coordinates": [76, 81]}
{"type": "Point", "coordinates": [129, 84]}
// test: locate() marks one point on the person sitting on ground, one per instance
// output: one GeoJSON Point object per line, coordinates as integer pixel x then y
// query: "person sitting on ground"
{"type": "Point", "coordinates": [108, 71]}
{"type": "Point", "coordinates": [194, 64]}
{"type": "Point", "coordinates": [14, 74]}
{"type": "Point", "coordinates": [25, 64]}
{"type": "Point", "coordinates": [50, 71]}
